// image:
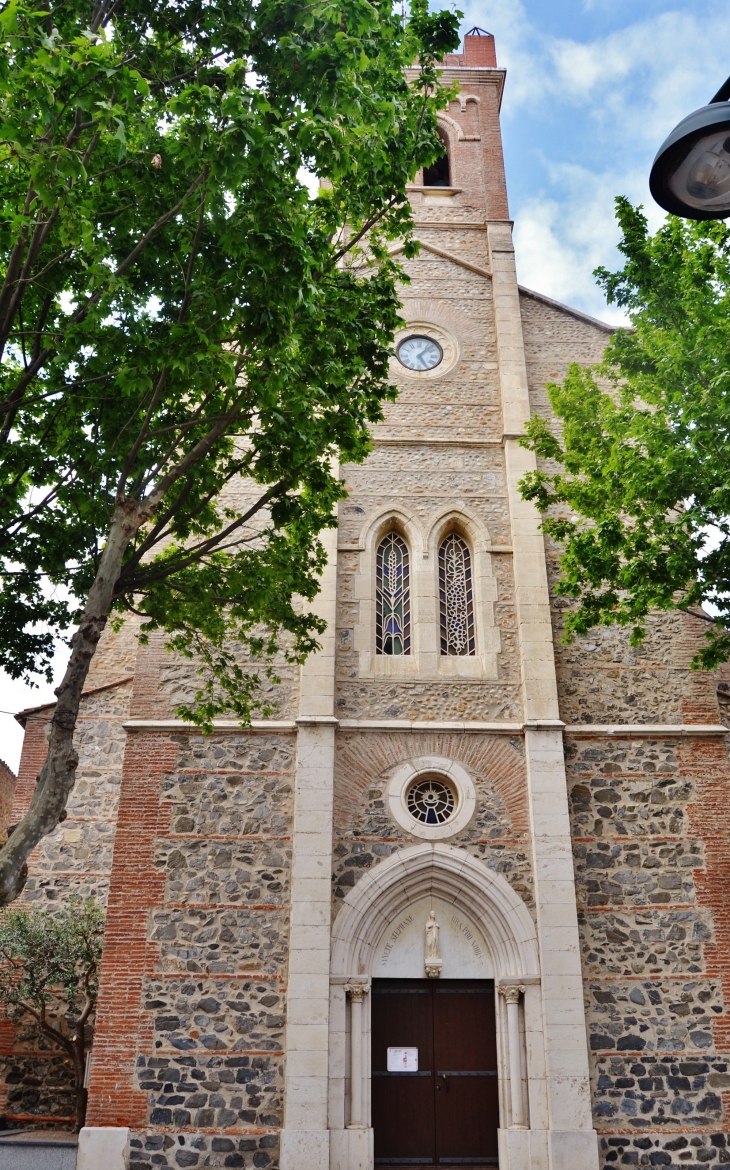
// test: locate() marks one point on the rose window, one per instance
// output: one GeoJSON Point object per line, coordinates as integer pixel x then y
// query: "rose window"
{"type": "Point", "coordinates": [431, 801]}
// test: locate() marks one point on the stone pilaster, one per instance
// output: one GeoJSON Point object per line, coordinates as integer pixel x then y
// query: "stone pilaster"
{"type": "Point", "coordinates": [305, 1137]}
{"type": "Point", "coordinates": [566, 1109]}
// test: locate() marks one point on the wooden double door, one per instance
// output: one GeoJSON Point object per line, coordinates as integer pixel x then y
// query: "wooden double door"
{"type": "Point", "coordinates": [444, 1113]}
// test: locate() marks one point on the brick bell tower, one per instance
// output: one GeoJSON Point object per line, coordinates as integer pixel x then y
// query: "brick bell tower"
{"type": "Point", "coordinates": [466, 882]}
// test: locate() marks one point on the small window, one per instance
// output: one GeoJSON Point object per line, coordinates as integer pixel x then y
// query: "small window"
{"type": "Point", "coordinates": [456, 597]}
{"type": "Point", "coordinates": [437, 175]}
{"type": "Point", "coordinates": [431, 801]}
{"type": "Point", "coordinates": [392, 597]}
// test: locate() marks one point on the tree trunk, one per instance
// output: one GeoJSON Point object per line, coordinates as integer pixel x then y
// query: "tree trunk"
{"type": "Point", "coordinates": [82, 1100]}
{"type": "Point", "coordinates": [79, 1061]}
{"type": "Point", "coordinates": [58, 774]}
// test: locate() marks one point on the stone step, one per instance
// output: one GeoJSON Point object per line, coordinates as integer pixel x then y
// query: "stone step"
{"type": "Point", "coordinates": [21, 1152]}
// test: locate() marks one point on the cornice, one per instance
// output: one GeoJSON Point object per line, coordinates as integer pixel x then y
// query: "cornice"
{"type": "Point", "coordinates": [479, 75]}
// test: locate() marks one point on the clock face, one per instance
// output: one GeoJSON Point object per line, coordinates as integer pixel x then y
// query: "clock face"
{"type": "Point", "coordinates": [419, 353]}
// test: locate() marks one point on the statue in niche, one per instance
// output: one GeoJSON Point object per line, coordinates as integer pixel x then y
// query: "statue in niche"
{"type": "Point", "coordinates": [433, 950]}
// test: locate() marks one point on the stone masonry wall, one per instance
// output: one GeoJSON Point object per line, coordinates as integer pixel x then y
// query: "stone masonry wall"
{"type": "Point", "coordinates": [365, 832]}
{"type": "Point", "coordinates": [463, 403]}
{"type": "Point", "coordinates": [555, 337]}
{"type": "Point", "coordinates": [36, 1081]}
{"type": "Point", "coordinates": [651, 853]}
{"type": "Point", "coordinates": [75, 860]}
{"type": "Point", "coordinates": [651, 856]}
{"type": "Point", "coordinates": [438, 449]}
{"type": "Point", "coordinates": [191, 1019]}
{"type": "Point", "coordinates": [164, 681]}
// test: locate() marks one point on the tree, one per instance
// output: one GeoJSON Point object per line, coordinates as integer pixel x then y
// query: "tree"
{"type": "Point", "coordinates": [180, 321]}
{"type": "Point", "coordinates": [49, 969]}
{"type": "Point", "coordinates": [644, 451]}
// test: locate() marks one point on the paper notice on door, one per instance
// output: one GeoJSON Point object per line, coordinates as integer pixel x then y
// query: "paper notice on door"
{"type": "Point", "coordinates": [402, 1060]}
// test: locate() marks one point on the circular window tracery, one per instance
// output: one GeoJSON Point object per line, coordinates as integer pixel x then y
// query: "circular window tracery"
{"type": "Point", "coordinates": [431, 797]}
{"type": "Point", "coordinates": [431, 801]}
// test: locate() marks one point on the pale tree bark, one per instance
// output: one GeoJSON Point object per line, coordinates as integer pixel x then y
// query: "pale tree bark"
{"type": "Point", "coordinates": [58, 774]}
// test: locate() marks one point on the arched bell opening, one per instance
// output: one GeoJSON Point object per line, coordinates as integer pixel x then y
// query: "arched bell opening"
{"type": "Point", "coordinates": [439, 173]}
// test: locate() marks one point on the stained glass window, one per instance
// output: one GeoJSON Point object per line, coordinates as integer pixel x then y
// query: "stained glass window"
{"type": "Point", "coordinates": [392, 597]}
{"type": "Point", "coordinates": [431, 801]}
{"type": "Point", "coordinates": [456, 597]}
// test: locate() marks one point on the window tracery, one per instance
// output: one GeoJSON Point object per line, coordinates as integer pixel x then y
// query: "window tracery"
{"type": "Point", "coordinates": [431, 800]}
{"type": "Point", "coordinates": [456, 597]}
{"type": "Point", "coordinates": [392, 597]}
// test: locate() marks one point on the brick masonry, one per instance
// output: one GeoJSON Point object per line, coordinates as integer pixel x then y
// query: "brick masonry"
{"type": "Point", "coordinates": [8, 780]}
{"type": "Point", "coordinates": [651, 847]}
{"type": "Point", "coordinates": [650, 850]}
{"type": "Point", "coordinates": [192, 1016]}
{"type": "Point", "coordinates": [74, 861]}
{"type": "Point", "coordinates": [365, 831]}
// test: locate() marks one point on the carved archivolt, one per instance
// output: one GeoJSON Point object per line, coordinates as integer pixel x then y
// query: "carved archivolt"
{"type": "Point", "coordinates": [444, 119]}
{"type": "Point", "coordinates": [444, 871]}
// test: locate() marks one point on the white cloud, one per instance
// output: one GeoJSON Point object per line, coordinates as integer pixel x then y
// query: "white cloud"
{"type": "Point", "coordinates": [653, 71]}
{"type": "Point", "coordinates": [583, 119]}
{"type": "Point", "coordinates": [16, 696]}
{"type": "Point", "coordinates": [642, 79]}
{"type": "Point", "coordinates": [518, 46]}
{"type": "Point", "coordinates": [559, 242]}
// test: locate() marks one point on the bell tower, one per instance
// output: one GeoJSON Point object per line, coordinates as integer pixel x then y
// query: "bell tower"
{"type": "Point", "coordinates": [471, 134]}
{"type": "Point", "coordinates": [438, 661]}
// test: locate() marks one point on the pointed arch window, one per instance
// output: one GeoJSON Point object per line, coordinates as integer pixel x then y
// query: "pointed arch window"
{"type": "Point", "coordinates": [392, 597]}
{"type": "Point", "coordinates": [456, 597]}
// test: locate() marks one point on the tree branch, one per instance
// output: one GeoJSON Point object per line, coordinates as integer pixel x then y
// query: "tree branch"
{"type": "Point", "coordinates": [174, 565]}
{"type": "Point", "coordinates": [12, 402]}
{"type": "Point", "coordinates": [366, 228]}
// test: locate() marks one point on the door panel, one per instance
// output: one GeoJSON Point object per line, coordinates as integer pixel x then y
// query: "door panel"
{"type": "Point", "coordinates": [446, 1114]}
{"type": "Point", "coordinates": [465, 1050]}
{"type": "Point", "coordinates": [403, 1102]}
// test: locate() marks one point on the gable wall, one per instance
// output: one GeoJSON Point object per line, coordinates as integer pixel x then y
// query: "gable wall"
{"type": "Point", "coordinates": [650, 847]}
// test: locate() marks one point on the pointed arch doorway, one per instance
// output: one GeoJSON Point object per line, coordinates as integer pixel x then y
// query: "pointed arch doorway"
{"type": "Point", "coordinates": [489, 945]}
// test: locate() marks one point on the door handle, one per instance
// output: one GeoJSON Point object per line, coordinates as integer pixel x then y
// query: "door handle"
{"type": "Point", "coordinates": [445, 1080]}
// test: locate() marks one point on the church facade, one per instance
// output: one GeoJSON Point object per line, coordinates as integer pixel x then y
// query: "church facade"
{"type": "Point", "coordinates": [463, 900]}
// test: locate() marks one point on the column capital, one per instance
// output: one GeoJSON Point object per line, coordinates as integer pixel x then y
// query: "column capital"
{"type": "Point", "coordinates": [512, 991]}
{"type": "Point", "coordinates": [356, 991]}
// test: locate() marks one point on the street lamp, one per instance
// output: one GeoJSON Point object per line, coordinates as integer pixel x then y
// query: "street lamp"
{"type": "Point", "coordinates": [690, 175]}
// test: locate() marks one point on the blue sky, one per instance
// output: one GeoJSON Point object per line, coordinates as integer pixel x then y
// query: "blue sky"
{"type": "Point", "coordinates": [593, 88]}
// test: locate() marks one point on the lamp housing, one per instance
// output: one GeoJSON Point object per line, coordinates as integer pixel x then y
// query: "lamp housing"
{"type": "Point", "coordinates": [690, 175]}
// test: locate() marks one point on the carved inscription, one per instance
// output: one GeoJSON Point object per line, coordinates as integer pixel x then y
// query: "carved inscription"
{"type": "Point", "coordinates": [393, 938]}
{"type": "Point", "coordinates": [468, 934]}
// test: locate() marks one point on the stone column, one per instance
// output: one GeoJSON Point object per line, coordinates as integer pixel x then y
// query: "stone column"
{"type": "Point", "coordinates": [565, 1113]}
{"type": "Point", "coordinates": [305, 1136]}
{"type": "Point", "coordinates": [512, 999]}
{"type": "Point", "coordinates": [356, 992]}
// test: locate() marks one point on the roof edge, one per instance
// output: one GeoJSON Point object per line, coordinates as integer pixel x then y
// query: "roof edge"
{"type": "Point", "coordinates": [27, 711]}
{"type": "Point", "coordinates": [536, 296]}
